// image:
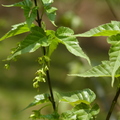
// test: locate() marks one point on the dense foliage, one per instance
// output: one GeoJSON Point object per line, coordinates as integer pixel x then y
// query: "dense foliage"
{"type": "Point", "coordinates": [38, 36]}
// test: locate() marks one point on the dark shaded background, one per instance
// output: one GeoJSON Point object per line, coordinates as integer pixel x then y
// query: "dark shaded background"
{"type": "Point", "coordinates": [16, 90]}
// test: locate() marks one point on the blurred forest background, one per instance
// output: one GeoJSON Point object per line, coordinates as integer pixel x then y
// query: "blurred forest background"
{"type": "Point", "coordinates": [16, 90]}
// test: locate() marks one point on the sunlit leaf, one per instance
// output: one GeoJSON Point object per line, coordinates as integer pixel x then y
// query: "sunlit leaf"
{"type": "Point", "coordinates": [113, 31]}
{"type": "Point", "coordinates": [39, 99]}
{"type": "Point", "coordinates": [64, 31]}
{"type": "Point", "coordinates": [50, 11]}
{"type": "Point", "coordinates": [16, 30]}
{"type": "Point", "coordinates": [30, 12]}
{"type": "Point", "coordinates": [24, 3]}
{"type": "Point", "coordinates": [114, 54]}
{"type": "Point", "coordinates": [86, 96]}
{"type": "Point", "coordinates": [65, 35]}
{"type": "Point", "coordinates": [47, 2]}
{"type": "Point", "coordinates": [31, 43]}
{"type": "Point", "coordinates": [81, 111]}
{"type": "Point", "coordinates": [95, 110]}
{"type": "Point", "coordinates": [108, 29]}
{"type": "Point", "coordinates": [103, 70]}
{"type": "Point", "coordinates": [53, 41]}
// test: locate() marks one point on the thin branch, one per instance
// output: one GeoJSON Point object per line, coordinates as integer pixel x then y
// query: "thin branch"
{"type": "Point", "coordinates": [38, 17]}
{"type": "Point", "coordinates": [47, 72]}
{"type": "Point", "coordinates": [51, 91]}
{"type": "Point", "coordinates": [111, 9]}
{"type": "Point", "coordinates": [113, 104]}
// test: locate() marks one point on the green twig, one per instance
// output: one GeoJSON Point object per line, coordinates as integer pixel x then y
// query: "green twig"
{"type": "Point", "coordinates": [113, 104]}
{"type": "Point", "coordinates": [47, 72]}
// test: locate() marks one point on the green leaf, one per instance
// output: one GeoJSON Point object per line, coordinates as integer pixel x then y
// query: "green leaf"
{"type": "Point", "coordinates": [30, 12]}
{"type": "Point", "coordinates": [108, 29]}
{"type": "Point", "coordinates": [95, 110]}
{"type": "Point", "coordinates": [37, 115]}
{"type": "Point", "coordinates": [47, 2]}
{"type": "Point", "coordinates": [24, 3]}
{"type": "Point", "coordinates": [31, 43]}
{"type": "Point", "coordinates": [103, 70]}
{"type": "Point", "coordinates": [81, 111]}
{"type": "Point", "coordinates": [16, 30]}
{"type": "Point", "coordinates": [65, 36]}
{"type": "Point", "coordinates": [53, 41]}
{"type": "Point", "coordinates": [64, 32]}
{"type": "Point", "coordinates": [53, 116]}
{"type": "Point", "coordinates": [51, 14]}
{"type": "Point", "coordinates": [39, 99]}
{"type": "Point", "coordinates": [50, 11]}
{"type": "Point", "coordinates": [114, 54]}
{"type": "Point", "coordinates": [86, 96]}
{"type": "Point", "coordinates": [113, 31]}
